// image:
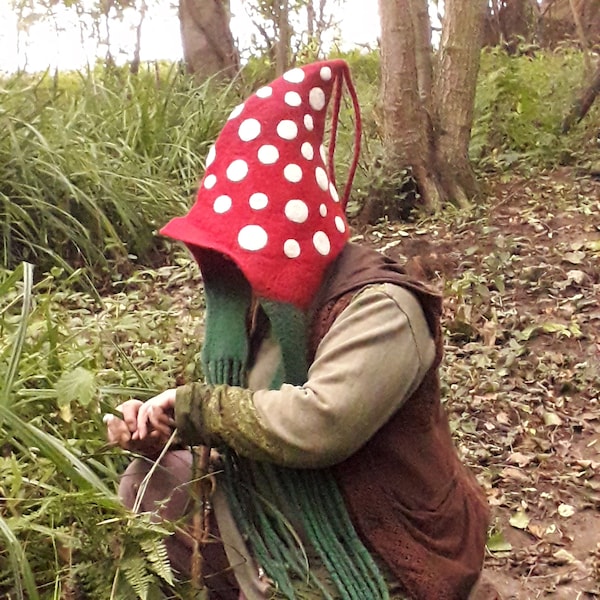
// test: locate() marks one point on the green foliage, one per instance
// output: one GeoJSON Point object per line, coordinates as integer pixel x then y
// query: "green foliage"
{"type": "Point", "coordinates": [65, 357]}
{"type": "Point", "coordinates": [92, 164]}
{"type": "Point", "coordinates": [520, 104]}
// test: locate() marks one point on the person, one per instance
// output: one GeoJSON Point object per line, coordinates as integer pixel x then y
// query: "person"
{"type": "Point", "coordinates": [335, 474]}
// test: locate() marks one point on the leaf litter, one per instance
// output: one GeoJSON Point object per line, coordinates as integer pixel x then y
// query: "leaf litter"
{"type": "Point", "coordinates": [521, 376]}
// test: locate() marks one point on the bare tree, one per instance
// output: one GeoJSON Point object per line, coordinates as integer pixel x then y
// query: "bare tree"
{"type": "Point", "coordinates": [427, 112]}
{"type": "Point", "coordinates": [584, 102]}
{"type": "Point", "coordinates": [570, 19]}
{"type": "Point", "coordinates": [208, 46]}
{"type": "Point", "coordinates": [508, 22]}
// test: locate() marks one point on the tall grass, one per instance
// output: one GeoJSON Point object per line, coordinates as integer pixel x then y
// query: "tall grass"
{"type": "Point", "coordinates": [65, 357]}
{"type": "Point", "coordinates": [92, 164]}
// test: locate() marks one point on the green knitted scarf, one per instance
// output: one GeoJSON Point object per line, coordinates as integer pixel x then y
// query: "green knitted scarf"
{"type": "Point", "coordinates": [260, 493]}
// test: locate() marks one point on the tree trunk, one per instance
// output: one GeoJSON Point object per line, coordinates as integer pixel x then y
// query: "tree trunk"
{"type": "Point", "coordinates": [208, 46]}
{"type": "Point", "coordinates": [583, 104]}
{"type": "Point", "coordinates": [559, 23]}
{"type": "Point", "coordinates": [454, 97]}
{"type": "Point", "coordinates": [282, 45]}
{"type": "Point", "coordinates": [423, 50]}
{"type": "Point", "coordinates": [134, 67]}
{"type": "Point", "coordinates": [406, 124]}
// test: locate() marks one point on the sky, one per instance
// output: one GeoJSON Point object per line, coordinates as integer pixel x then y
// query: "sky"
{"type": "Point", "coordinates": [66, 50]}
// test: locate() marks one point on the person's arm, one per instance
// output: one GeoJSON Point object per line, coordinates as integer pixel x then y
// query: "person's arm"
{"type": "Point", "coordinates": [373, 357]}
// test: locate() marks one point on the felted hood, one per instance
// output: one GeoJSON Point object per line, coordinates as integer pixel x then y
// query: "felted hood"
{"type": "Point", "coordinates": [268, 199]}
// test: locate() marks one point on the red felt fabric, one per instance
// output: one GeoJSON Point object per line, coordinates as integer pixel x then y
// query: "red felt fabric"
{"type": "Point", "coordinates": [268, 198]}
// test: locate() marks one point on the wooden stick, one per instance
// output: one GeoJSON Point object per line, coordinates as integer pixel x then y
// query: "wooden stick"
{"type": "Point", "coordinates": [201, 491]}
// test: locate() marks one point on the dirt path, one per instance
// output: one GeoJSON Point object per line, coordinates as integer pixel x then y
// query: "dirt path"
{"type": "Point", "coordinates": [522, 371]}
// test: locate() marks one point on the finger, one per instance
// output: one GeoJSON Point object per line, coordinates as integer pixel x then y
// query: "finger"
{"type": "Point", "coordinates": [117, 432]}
{"type": "Point", "coordinates": [159, 420]}
{"type": "Point", "coordinates": [130, 411]}
{"type": "Point", "coordinates": [142, 422]}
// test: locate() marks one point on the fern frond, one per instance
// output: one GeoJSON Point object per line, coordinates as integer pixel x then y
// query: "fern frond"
{"type": "Point", "coordinates": [137, 575]}
{"type": "Point", "coordinates": [156, 554]}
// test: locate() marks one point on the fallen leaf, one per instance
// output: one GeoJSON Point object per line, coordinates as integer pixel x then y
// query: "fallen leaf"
{"type": "Point", "coordinates": [497, 543]}
{"type": "Point", "coordinates": [562, 557]}
{"type": "Point", "coordinates": [576, 276]}
{"type": "Point", "coordinates": [575, 258]}
{"type": "Point", "coordinates": [566, 510]}
{"type": "Point", "coordinates": [519, 520]}
{"type": "Point", "coordinates": [518, 458]}
{"type": "Point", "coordinates": [552, 419]}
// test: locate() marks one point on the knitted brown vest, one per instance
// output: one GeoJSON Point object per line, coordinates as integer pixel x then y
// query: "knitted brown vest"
{"type": "Point", "coordinates": [410, 498]}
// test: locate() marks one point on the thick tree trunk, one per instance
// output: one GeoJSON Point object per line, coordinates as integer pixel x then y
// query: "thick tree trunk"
{"type": "Point", "coordinates": [454, 96]}
{"type": "Point", "coordinates": [423, 50]}
{"type": "Point", "coordinates": [208, 46]}
{"type": "Point", "coordinates": [406, 124]}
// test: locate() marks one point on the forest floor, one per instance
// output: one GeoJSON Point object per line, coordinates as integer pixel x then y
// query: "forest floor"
{"type": "Point", "coordinates": [521, 375]}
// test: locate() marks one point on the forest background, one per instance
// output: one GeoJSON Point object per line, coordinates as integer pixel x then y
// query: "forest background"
{"type": "Point", "coordinates": [95, 308]}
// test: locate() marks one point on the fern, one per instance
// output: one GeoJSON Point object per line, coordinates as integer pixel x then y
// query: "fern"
{"type": "Point", "coordinates": [156, 554]}
{"type": "Point", "coordinates": [137, 575]}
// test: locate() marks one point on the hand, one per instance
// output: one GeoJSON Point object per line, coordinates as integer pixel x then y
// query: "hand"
{"type": "Point", "coordinates": [124, 432]}
{"type": "Point", "coordinates": [120, 431]}
{"type": "Point", "coordinates": [156, 415]}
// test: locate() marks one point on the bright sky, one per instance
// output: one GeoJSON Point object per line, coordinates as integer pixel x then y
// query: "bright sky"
{"type": "Point", "coordinates": [70, 49]}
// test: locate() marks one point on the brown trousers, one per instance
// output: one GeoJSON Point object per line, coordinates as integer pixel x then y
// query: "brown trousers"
{"type": "Point", "coordinates": [167, 496]}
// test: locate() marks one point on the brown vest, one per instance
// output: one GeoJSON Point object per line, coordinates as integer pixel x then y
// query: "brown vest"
{"type": "Point", "coordinates": [410, 498]}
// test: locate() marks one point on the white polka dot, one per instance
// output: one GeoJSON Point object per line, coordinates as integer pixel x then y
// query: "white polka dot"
{"type": "Point", "coordinates": [294, 76]}
{"type": "Point", "coordinates": [222, 204]}
{"type": "Point", "coordinates": [321, 178]}
{"type": "Point", "coordinates": [316, 98]}
{"type": "Point", "coordinates": [210, 157]}
{"type": "Point", "coordinates": [334, 193]}
{"type": "Point", "coordinates": [252, 237]}
{"type": "Point", "coordinates": [296, 211]}
{"type": "Point", "coordinates": [264, 92]}
{"type": "Point", "coordinates": [258, 201]}
{"type": "Point", "coordinates": [293, 173]}
{"type": "Point", "coordinates": [209, 181]}
{"type": "Point", "coordinates": [309, 122]}
{"type": "Point", "coordinates": [321, 243]}
{"type": "Point", "coordinates": [340, 225]}
{"type": "Point", "coordinates": [323, 210]}
{"type": "Point", "coordinates": [307, 151]}
{"type": "Point", "coordinates": [292, 99]}
{"type": "Point", "coordinates": [287, 130]}
{"type": "Point", "coordinates": [291, 248]}
{"type": "Point", "coordinates": [325, 73]}
{"type": "Point", "coordinates": [323, 153]}
{"type": "Point", "coordinates": [249, 130]}
{"type": "Point", "coordinates": [236, 112]}
{"type": "Point", "coordinates": [268, 154]}
{"type": "Point", "coordinates": [237, 170]}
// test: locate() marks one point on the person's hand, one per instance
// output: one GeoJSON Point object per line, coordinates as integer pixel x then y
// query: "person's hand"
{"type": "Point", "coordinates": [123, 432]}
{"type": "Point", "coordinates": [156, 415]}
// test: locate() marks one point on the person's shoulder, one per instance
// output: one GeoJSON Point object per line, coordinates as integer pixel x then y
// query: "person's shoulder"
{"type": "Point", "coordinates": [383, 291]}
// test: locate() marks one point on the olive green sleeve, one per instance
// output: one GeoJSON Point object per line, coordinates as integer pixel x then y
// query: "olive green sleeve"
{"type": "Point", "coordinates": [225, 415]}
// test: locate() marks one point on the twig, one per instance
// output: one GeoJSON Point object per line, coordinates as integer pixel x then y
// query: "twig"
{"type": "Point", "coordinates": [202, 490]}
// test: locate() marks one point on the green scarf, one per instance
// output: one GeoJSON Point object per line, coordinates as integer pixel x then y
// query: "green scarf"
{"type": "Point", "coordinates": [257, 491]}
